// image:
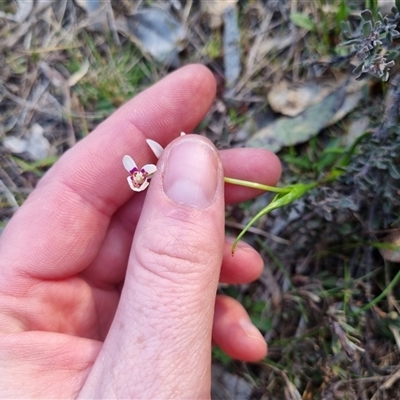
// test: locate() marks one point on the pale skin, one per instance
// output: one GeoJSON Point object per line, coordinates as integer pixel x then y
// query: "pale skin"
{"type": "Point", "coordinates": [107, 293]}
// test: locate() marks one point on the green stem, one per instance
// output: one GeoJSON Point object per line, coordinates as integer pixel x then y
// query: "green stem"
{"type": "Point", "coordinates": [375, 301]}
{"type": "Point", "coordinates": [255, 185]}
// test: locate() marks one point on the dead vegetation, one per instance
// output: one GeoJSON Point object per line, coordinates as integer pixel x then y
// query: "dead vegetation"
{"type": "Point", "coordinates": [328, 299]}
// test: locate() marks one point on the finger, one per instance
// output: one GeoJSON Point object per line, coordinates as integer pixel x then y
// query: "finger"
{"type": "Point", "coordinates": [73, 203]}
{"type": "Point", "coordinates": [245, 266]}
{"type": "Point", "coordinates": [166, 308]}
{"type": "Point", "coordinates": [258, 165]}
{"type": "Point", "coordinates": [254, 165]}
{"type": "Point", "coordinates": [234, 332]}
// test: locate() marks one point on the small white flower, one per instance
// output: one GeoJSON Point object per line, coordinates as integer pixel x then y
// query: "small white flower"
{"type": "Point", "coordinates": [156, 147]}
{"type": "Point", "coordinates": [139, 178]}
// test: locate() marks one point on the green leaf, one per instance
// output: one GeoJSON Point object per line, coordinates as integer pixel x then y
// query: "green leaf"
{"type": "Point", "coordinates": [280, 200]}
{"type": "Point", "coordinates": [350, 42]}
{"type": "Point", "coordinates": [395, 33]}
{"type": "Point", "coordinates": [394, 171]}
{"type": "Point", "coordinates": [302, 21]}
{"type": "Point", "coordinates": [303, 162]}
{"type": "Point", "coordinates": [344, 162]}
{"type": "Point", "coordinates": [366, 15]}
{"type": "Point", "coordinates": [329, 157]}
{"type": "Point", "coordinates": [358, 69]}
{"type": "Point", "coordinates": [343, 11]}
{"type": "Point", "coordinates": [345, 28]}
{"type": "Point", "coordinates": [366, 28]}
{"type": "Point", "coordinates": [372, 6]}
{"type": "Point", "coordinates": [392, 55]}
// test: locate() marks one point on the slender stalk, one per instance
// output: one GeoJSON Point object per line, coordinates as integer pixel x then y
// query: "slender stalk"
{"type": "Point", "coordinates": [377, 299]}
{"type": "Point", "coordinates": [255, 185]}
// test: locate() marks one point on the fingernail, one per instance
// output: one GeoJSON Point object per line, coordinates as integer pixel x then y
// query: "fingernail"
{"type": "Point", "coordinates": [251, 330]}
{"type": "Point", "coordinates": [191, 173]}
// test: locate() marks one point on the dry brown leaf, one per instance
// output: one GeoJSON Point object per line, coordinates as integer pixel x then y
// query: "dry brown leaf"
{"type": "Point", "coordinates": [291, 99]}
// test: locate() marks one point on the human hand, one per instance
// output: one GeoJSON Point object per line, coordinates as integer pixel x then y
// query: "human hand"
{"type": "Point", "coordinates": [107, 293]}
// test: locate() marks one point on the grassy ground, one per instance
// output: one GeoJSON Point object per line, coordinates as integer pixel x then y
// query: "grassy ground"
{"type": "Point", "coordinates": [327, 301]}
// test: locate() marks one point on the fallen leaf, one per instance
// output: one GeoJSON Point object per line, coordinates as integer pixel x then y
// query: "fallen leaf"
{"type": "Point", "coordinates": [312, 119]}
{"type": "Point", "coordinates": [35, 144]}
{"type": "Point", "coordinates": [350, 103]}
{"type": "Point", "coordinates": [158, 33]}
{"type": "Point", "coordinates": [290, 131]}
{"type": "Point", "coordinates": [292, 98]}
{"type": "Point", "coordinates": [231, 44]}
{"type": "Point", "coordinates": [289, 98]}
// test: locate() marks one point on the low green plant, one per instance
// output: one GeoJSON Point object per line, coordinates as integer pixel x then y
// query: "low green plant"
{"type": "Point", "coordinates": [113, 78]}
{"type": "Point", "coordinates": [374, 42]}
{"type": "Point", "coordinates": [335, 157]}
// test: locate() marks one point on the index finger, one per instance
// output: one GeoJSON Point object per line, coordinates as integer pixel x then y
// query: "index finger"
{"type": "Point", "coordinates": [61, 226]}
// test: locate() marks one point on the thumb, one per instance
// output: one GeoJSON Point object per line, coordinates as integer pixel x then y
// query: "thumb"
{"type": "Point", "coordinates": [160, 341]}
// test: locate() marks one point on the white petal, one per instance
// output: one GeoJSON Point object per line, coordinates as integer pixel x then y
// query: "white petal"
{"type": "Point", "coordinates": [183, 133]}
{"type": "Point", "coordinates": [144, 186]}
{"type": "Point", "coordinates": [129, 164]}
{"type": "Point", "coordinates": [157, 148]}
{"type": "Point", "coordinates": [137, 189]}
{"type": "Point", "coordinates": [150, 169]}
{"type": "Point", "coordinates": [131, 183]}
